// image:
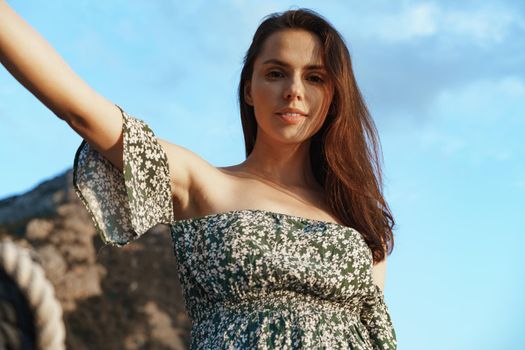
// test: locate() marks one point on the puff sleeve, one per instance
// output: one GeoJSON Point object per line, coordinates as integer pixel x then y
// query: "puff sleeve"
{"type": "Point", "coordinates": [125, 204]}
{"type": "Point", "coordinates": [376, 318]}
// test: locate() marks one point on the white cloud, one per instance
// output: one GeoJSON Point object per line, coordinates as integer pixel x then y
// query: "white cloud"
{"type": "Point", "coordinates": [513, 86]}
{"type": "Point", "coordinates": [479, 122]}
{"type": "Point", "coordinates": [413, 22]}
{"type": "Point", "coordinates": [484, 25]}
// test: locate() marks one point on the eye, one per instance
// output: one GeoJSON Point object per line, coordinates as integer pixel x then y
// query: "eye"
{"type": "Point", "coordinates": [315, 78]}
{"type": "Point", "coordinates": [274, 74]}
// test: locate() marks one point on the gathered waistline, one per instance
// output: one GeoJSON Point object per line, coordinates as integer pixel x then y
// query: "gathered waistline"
{"type": "Point", "coordinates": [282, 303]}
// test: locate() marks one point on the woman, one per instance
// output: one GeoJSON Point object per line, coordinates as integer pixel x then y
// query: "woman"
{"type": "Point", "coordinates": [285, 250]}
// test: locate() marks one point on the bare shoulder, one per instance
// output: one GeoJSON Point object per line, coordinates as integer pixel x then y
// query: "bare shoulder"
{"type": "Point", "coordinates": [378, 273]}
{"type": "Point", "coordinates": [192, 177]}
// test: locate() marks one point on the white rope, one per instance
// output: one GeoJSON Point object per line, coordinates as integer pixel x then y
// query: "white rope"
{"type": "Point", "coordinates": [30, 278]}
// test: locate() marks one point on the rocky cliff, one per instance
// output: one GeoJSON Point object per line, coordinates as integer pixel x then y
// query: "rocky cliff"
{"type": "Point", "coordinates": [112, 298]}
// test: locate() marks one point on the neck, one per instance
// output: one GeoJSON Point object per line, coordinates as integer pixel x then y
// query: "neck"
{"type": "Point", "coordinates": [286, 165]}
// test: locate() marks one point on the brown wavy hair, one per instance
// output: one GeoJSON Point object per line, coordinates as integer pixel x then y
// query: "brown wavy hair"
{"type": "Point", "coordinates": [345, 153]}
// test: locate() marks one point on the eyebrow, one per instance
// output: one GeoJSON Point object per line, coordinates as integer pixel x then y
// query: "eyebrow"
{"type": "Point", "coordinates": [284, 64]}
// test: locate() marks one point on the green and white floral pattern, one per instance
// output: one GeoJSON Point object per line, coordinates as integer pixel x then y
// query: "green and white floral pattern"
{"type": "Point", "coordinates": [252, 279]}
{"type": "Point", "coordinates": [124, 205]}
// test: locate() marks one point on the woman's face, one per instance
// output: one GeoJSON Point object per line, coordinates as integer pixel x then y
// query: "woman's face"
{"type": "Point", "coordinates": [289, 89]}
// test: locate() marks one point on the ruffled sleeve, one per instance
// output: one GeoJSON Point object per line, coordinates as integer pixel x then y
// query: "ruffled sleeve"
{"type": "Point", "coordinates": [125, 204]}
{"type": "Point", "coordinates": [376, 318]}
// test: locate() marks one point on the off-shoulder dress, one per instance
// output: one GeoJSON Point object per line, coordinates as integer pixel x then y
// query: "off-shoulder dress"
{"type": "Point", "coordinates": [251, 278]}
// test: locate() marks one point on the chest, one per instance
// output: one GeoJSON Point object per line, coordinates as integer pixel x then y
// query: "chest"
{"type": "Point", "coordinates": [234, 255]}
{"type": "Point", "coordinates": [230, 193]}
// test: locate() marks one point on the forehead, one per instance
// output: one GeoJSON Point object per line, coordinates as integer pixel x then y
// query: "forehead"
{"type": "Point", "coordinates": [296, 47]}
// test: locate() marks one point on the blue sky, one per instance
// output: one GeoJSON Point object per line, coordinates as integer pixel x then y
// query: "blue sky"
{"type": "Point", "coordinates": [445, 82]}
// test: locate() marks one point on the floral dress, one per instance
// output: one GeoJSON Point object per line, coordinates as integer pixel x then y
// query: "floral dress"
{"type": "Point", "coordinates": [251, 279]}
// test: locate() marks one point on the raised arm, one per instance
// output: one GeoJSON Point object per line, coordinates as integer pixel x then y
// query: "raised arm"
{"type": "Point", "coordinates": [39, 68]}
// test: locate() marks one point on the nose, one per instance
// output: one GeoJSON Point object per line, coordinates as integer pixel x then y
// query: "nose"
{"type": "Point", "coordinates": [294, 89]}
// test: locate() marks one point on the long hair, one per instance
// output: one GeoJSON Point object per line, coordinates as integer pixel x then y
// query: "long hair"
{"type": "Point", "coordinates": [345, 153]}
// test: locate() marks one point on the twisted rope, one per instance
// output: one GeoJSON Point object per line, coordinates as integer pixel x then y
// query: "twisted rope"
{"type": "Point", "coordinates": [16, 262]}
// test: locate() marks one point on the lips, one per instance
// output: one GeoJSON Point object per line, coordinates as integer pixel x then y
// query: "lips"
{"type": "Point", "coordinates": [291, 118]}
{"type": "Point", "coordinates": [288, 114]}
{"type": "Point", "coordinates": [291, 112]}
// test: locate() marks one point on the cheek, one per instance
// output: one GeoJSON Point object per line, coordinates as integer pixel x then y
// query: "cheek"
{"type": "Point", "coordinates": [263, 97]}
{"type": "Point", "coordinates": [263, 91]}
{"type": "Point", "coordinates": [321, 99]}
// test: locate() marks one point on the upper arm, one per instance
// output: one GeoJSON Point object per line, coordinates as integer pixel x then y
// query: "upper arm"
{"type": "Point", "coordinates": [191, 179]}
{"type": "Point", "coordinates": [378, 274]}
{"type": "Point", "coordinates": [101, 124]}
{"type": "Point", "coordinates": [184, 167]}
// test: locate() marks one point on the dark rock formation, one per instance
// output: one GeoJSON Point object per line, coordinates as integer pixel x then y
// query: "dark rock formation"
{"type": "Point", "coordinates": [113, 298]}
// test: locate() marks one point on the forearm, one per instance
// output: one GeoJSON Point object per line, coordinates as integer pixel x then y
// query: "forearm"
{"type": "Point", "coordinates": [36, 65]}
